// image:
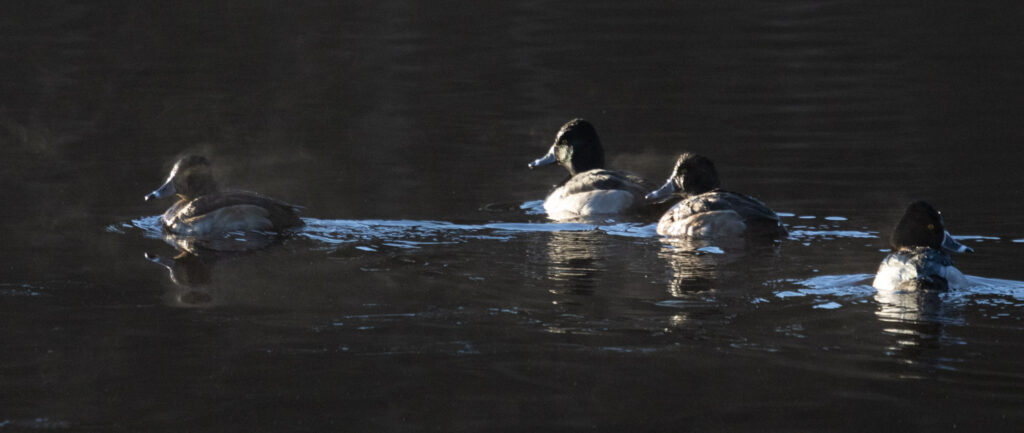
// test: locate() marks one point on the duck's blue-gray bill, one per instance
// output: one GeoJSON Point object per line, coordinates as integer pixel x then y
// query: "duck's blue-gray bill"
{"type": "Point", "coordinates": [955, 246]}
{"type": "Point", "coordinates": [544, 160]}
{"type": "Point", "coordinates": [663, 193]}
{"type": "Point", "coordinates": [164, 191]}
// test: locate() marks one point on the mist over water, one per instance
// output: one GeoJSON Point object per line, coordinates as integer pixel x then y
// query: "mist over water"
{"type": "Point", "coordinates": [428, 292]}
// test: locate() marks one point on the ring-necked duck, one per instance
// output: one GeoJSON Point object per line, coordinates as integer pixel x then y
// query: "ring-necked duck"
{"type": "Point", "coordinates": [203, 210]}
{"type": "Point", "coordinates": [707, 211]}
{"type": "Point", "coordinates": [590, 189]}
{"type": "Point", "coordinates": [919, 255]}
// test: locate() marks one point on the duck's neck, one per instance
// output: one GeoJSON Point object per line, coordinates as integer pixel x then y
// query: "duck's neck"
{"type": "Point", "coordinates": [698, 190]}
{"type": "Point", "coordinates": [585, 161]}
{"type": "Point", "coordinates": [200, 185]}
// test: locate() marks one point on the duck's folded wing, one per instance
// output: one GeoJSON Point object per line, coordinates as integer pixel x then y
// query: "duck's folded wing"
{"type": "Point", "coordinates": [749, 207]}
{"type": "Point", "coordinates": [756, 216]}
{"type": "Point", "coordinates": [601, 179]}
{"type": "Point", "coordinates": [744, 205]}
{"type": "Point", "coordinates": [281, 213]}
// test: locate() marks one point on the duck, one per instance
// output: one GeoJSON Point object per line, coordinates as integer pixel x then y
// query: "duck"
{"type": "Point", "coordinates": [590, 189]}
{"type": "Point", "coordinates": [708, 212]}
{"type": "Point", "coordinates": [920, 253]}
{"type": "Point", "coordinates": [204, 211]}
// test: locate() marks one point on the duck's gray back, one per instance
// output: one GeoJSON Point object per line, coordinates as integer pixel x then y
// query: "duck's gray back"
{"type": "Point", "coordinates": [602, 179]}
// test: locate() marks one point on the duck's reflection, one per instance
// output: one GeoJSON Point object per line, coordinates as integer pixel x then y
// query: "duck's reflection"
{"type": "Point", "coordinates": [575, 261]}
{"type": "Point", "coordinates": [191, 275]}
{"type": "Point", "coordinates": [581, 260]}
{"type": "Point", "coordinates": [702, 265]}
{"type": "Point", "coordinates": [909, 303]}
{"type": "Point", "coordinates": [711, 281]}
{"type": "Point", "coordinates": [191, 270]}
{"type": "Point", "coordinates": [693, 264]}
{"type": "Point", "coordinates": [914, 316]}
{"type": "Point", "coordinates": [235, 242]}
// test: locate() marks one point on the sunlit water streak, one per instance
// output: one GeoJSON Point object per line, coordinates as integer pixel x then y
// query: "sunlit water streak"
{"type": "Point", "coordinates": [415, 233]}
{"type": "Point", "coordinates": [412, 233]}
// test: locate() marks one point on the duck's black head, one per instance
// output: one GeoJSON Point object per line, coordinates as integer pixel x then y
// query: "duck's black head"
{"type": "Point", "coordinates": [923, 226]}
{"type": "Point", "coordinates": [191, 177]}
{"type": "Point", "coordinates": [693, 174]}
{"type": "Point", "coordinates": [576, 148]}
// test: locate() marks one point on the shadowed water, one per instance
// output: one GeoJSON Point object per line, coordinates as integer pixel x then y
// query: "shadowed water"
{"type": "Point", "coordinates": [427, 290]}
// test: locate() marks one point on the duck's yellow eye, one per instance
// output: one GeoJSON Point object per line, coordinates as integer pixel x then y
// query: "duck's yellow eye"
{"type": "Point", "coordinates": [931, 226]}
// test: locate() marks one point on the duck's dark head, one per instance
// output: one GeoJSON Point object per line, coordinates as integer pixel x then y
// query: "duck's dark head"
{"type": "Point", "coordinates": [923, 226]}
{"type": "Point", "coordinates": [576, 148]}
{"type": "Point", "coordinates": [191, 177]}
{"type": "Point", "coordinates": [693, 174]}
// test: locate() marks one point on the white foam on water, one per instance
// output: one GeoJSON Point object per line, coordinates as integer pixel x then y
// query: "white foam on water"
{"type": "Point", "coordinates": [534, 207]}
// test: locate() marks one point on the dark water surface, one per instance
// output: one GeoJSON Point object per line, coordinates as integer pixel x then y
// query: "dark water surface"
{"type": "Point", "coordinates": [423, 295]}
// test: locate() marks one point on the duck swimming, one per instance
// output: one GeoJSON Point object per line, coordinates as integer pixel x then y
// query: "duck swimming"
{"type": "Point", "coordinates": [590, 189]}
{"type": "Point", "coordinates": [706, 211]}
{"type": "Point", "coordinates": [204, 211]}
{"type": "Point", "coordinates": [920, 253]}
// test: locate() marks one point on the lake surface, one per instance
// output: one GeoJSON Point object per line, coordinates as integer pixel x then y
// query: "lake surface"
{"type": "Point", "coordinates": [426, 293]}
